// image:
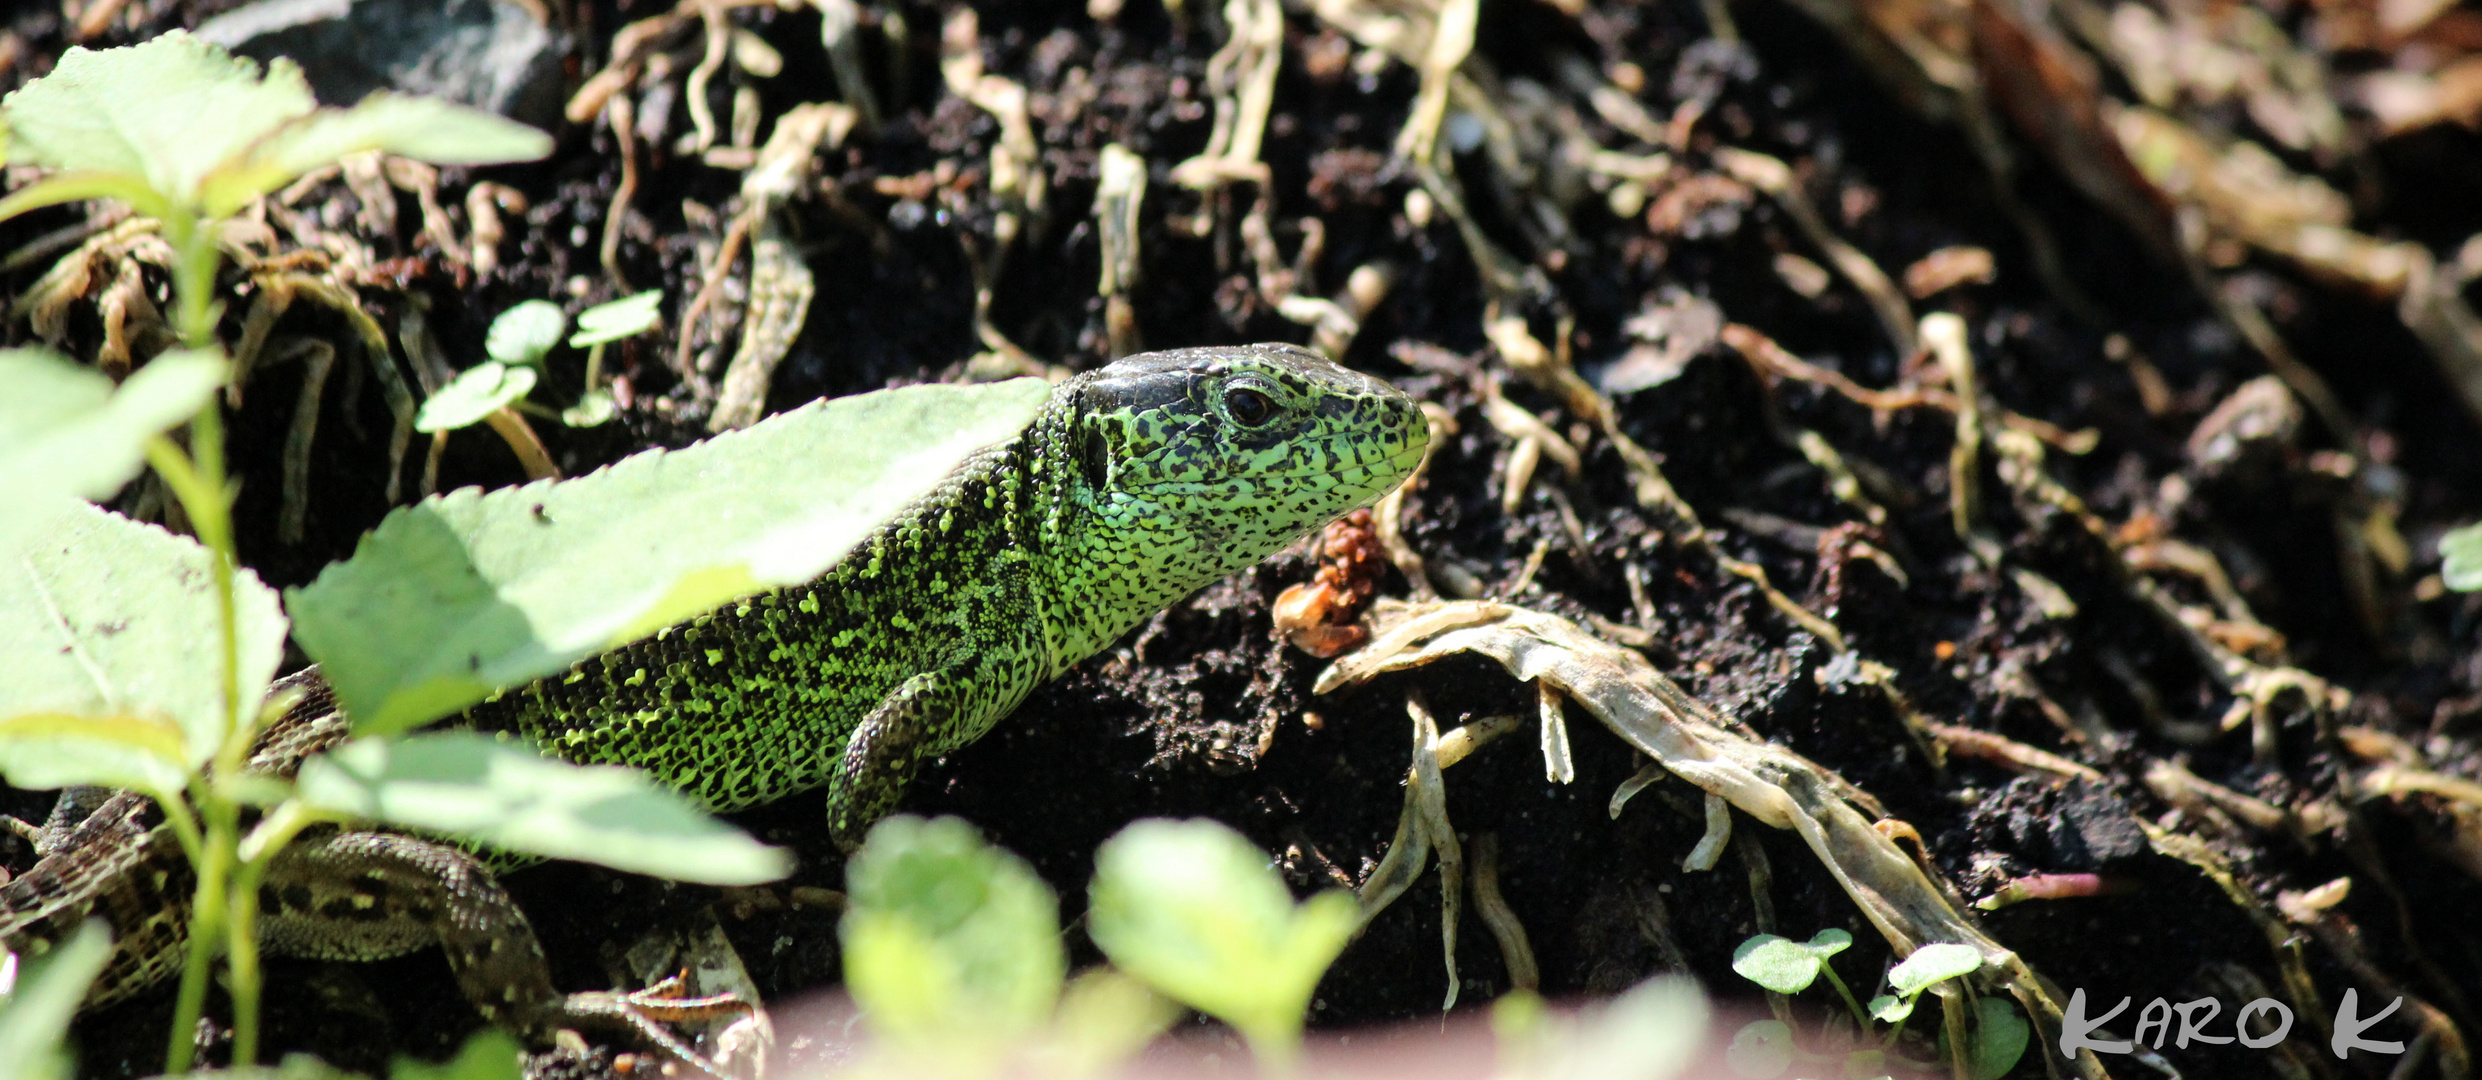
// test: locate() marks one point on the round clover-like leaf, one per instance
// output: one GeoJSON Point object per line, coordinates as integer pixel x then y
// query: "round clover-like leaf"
{"type": "Point", "coordinates": [1786, 966]}
{"type": "Point", "coordinates": [2000, 1037]}
{"type": "Point", "coordinates": [1933, 963]}
{"type": "Point", "coordinates": [1889, 1009]}
{"type": "Point", "coordinates": [617, 319]}
{"type": "Point", "coordinates": [521, 336]}
{"type": "Point", "coordinates": [476, 392]}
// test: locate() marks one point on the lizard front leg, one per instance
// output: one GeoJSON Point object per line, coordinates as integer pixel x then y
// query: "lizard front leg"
{"type": "Point", "coordinates": [927, 715]}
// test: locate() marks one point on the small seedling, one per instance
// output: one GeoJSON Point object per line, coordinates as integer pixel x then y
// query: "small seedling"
{"type": "Point", "coordinates": [1769, 1048]}
{"type": "Point", "coordinates": [517, 342]}
{"type": "Point", "coordinates": [597, 327]}
{"type": "Point", "coordinates": [1194, 909]}
{"type": "Point", "coordinates": [952, 950]}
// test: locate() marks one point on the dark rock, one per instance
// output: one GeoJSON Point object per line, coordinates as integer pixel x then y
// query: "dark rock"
{"type": "Point", "coordinates": [491, 54]}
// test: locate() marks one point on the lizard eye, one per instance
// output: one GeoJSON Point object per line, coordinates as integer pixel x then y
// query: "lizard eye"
{"type": "Point", "coordinates": [1248, 407]}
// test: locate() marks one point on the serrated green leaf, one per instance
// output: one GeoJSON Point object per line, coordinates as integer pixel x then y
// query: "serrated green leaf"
{"type": "Point", "coordinates": [460, 594]}
{"type": "Point", "coordinates": [104, 617]}
{"type": "Point", "coordinates": [34, 1020]}
{"type": "Point", "coordinates": [2000, 1037]}
{"type": "Point", "coordinates": [475, 787]}
{"type": "Point", "coordinates": [169, 111]}
{"type": "Point", "coordinates": [951, 945]}
{"type": "Point", "coordinates": [1933, 963]}
{"type": "Point", "coordinates": [522, 335]}
{"type": "Point", "coordinates": [617, 319]}
{"type": "Point", "coordinates": [1779, 964]}
{"type": "Point", "coordinates": [2460, 553]}
{"type": "Point", "coordinates": [422, 128]}
{"type": "Point", "coordinates": [64, 430]}
{"type": "Point", "coordinates": [1761, 1050]}
{"type": "Point", "coordinates": [1194, 909]}
{"type": "Point", "coordinates": [475, 393]}
{"type": "Point", "coordinates": [489, 1054]}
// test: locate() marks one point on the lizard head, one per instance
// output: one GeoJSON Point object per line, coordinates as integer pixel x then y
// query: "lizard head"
{"type": "Point", "coordinates": [1240, 448]}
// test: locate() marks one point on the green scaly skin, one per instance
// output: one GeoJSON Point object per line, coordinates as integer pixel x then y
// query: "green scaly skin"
{"type": "Point", "coordinates": [1136, 485]}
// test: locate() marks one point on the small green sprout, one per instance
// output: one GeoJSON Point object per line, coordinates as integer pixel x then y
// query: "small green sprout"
{"type": "Point", "coordinates": [1769, 1048]}
{"type": "Point", "coordinates": [1194, 909]}
{"type": "Point", "coordinates": [952, 949]}
{"type": "Point", "coordinates": [517, 342]}
{"type": "Point", "coordinates": [597, 327]}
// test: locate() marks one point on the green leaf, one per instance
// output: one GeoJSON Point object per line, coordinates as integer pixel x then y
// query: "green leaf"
{"type": "Point", "coordinates": [107, 619]}
{"type": "Point", "coordinates": [1786, 966]}
{"type": "Point", "coordinates": [2000, 1037]}
{"type": "Point", "coordinates": [1933, 963]}
{"type": "Point", "coordinates": [951, 945]}
{"type": "Point", "coordinates": [34, 1020]}
{"type": "Point", "coordinates": [2461, 553]}
{"type": "Point", "coordinates": [1105, 1018]}
{"type": "Point", "coordinates": [42, 751]}
{"type": "Point", "coordinates": [425, 129]}
{"type": "Point", "coordinates": [201, 127]}
{"type": "Point", "coordinates": [596, 407]}
{"type": "Point", "coordinates": [1194, 909]}
{"type": "Point", "coordinates": [489, 1054]}
{"type": "Point", "coordinates": [475, 393]}
{"type": "Point", "coordinates": [65, 431]}
{"type": "Point", "coordinates": [461, 594]}
{"type": "Point", "coordinates": [167, 111]}
{"type": "Point", "coordinates": [1761, 1050]}
{"type": "Point", "coordinates": [618, 319]}
{"type": "Point", "coordinates": [475, 787]}
{"type": "Point", "coordinates": [1888, 1008]}
{"type": "Point", "coordinates": [521, 336]}
{"type": "Point", "coordinates": [77, 186]}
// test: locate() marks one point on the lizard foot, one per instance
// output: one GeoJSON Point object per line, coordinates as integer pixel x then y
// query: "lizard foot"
{"type": "Point", "coordinates": [647, 1011]}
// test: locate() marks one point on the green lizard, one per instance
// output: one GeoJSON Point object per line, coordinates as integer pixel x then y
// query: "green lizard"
{"type": "Point", "coordinates": [1135, 485]}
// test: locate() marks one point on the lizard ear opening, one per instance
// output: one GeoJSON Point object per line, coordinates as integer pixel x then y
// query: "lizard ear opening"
{"type": "Point", "coordinates": [1094, 456]}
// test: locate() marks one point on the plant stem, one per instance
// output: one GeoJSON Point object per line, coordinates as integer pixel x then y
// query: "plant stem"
{"type": "Point", "coordinates": [207, 922]}
{"type": "Point", "coordinates": [1860, 1015]}
{"type": "Point", "coordinates": [258, 852]}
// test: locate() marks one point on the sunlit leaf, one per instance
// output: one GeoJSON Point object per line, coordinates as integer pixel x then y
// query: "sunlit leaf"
{"type": "Point", "coordinates": [951, 945]}
{"type": "Point", "coordinates": [1933, 963]}
{"type": "Point", "coordinates": [1194, 909]}
{"type": "Point", "coordinates": [467, 592]}
{"type": "Point", "coordinates": [522, 335]}
{"type": "Point", "coordinates": [64, 430]}
{"type": "Point", "coordinates": [475, 393]}
{"type": "Point", "coordinates": [1786, 966]}
{"type": "Point", "coordinates": [476, 787]}
{"type": "Point", "coordinates": [618, 319]}
{"type": "Point", "coordinates": [108, 619]}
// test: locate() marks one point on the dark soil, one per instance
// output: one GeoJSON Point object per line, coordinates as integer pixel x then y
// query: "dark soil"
{"type": "Point", "coordinates": [1200, 713]}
